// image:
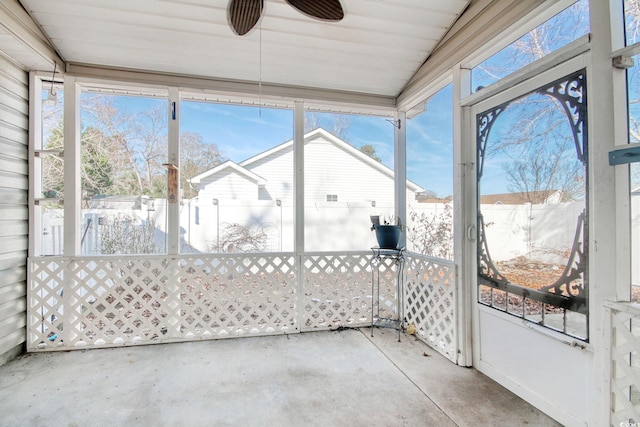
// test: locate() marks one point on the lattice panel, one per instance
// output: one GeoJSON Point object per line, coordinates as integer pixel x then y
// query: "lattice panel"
{"type": "Point", "coordinates": [625, 368]}
{"type": "Point", "coordinates": [337, 290]}
{"type": "Point", "coordinates": [117, 301]}
{"type": "Point", "coordinates": [88, 302]}
{"type": "Point", "coordinates": [227, 295]}
{"type": "Point", "coordinates": [45, 303]}
{"type": "Point", "coordinates": [430, 302]}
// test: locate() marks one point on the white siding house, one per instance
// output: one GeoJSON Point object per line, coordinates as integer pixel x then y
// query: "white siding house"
{"type": "Point", "coordinates": [229, 181]}
{"type": "Point", "coordinates": [332, 168]}
{"type": "Point", "coordinates": [343, 187]}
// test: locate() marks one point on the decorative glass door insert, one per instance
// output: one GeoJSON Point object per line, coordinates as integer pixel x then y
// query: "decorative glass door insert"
{"type": "Point", "coordinates": [532, 206]}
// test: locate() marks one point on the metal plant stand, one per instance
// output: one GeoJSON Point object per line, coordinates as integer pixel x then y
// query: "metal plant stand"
{"type": "Point", "coordinates": [397, 256]}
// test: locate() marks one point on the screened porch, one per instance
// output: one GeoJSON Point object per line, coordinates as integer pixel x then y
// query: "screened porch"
{"type": "Point", "coordinates": [191, 201]}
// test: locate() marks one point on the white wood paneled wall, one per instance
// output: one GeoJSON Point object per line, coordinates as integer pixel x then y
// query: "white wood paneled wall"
{"type": "Point", "coordinates": [14, 184]}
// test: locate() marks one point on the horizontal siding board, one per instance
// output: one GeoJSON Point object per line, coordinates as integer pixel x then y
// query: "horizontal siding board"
{"type": "Point", "coordinates": [13, 291]}
{"type": "Point", "coordinates": [13, 180]}
{"type": "Point", "coordinates": [12, 243]}
{"type": "Point", "coordinates": [13, 148]}
{"type": "Point", "coordinates": [14, 307]}
{"type": "Point", "coordinates": [13, 228]}
{"type": "Point", "coordinates": [13, 323]}
{"type": "Point", "coordinates": [12, 196]}
{"type": "Point", "coordinates": [9, 277]}
{"type": "Point", "coordinates": [11, 84]}
{"type": "Point", "coordinates": [13, 117]}
{"type": "Point", "coordinates": [9, 164]}
{"type": "Point", "coordinates": [10, 212]}
{"type": "Point", "coordinates": [14, 133]}
{"type": "Point", "coordinates": [14, 213]}
{"type": "Point", "coordinates": [13, 102]}
{"type": "Point", "coordinates": [12, 260]}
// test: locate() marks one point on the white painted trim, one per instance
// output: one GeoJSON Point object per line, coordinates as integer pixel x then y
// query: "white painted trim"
{"type": "Point", "coordinates": [229, 164]}
{"type": "Point", "coordinates": [400, 176]}
{"type": "Point", "coordinates": [264, 95]}
{"type": "Point", "coordinates": [632, 50]}
{"type": "Point", "coordinates": [603, 276]}
{"type": "Point", "coordinates": [537, 80]}
{"type": "Point", "coordinates": [572, 50]}
{"type": "Point", "coordinates": [72, 165]}
{"type": "Point", "coordinates": [35, 170]}
{"type": "Point", "coordinates": [17, 22]}
{"type": "Point", "coordinates": [173, 209]}
{"type": "Point", "coordinates": [298, 179]}
{"type": "Point", "coordinates": [464, 215]}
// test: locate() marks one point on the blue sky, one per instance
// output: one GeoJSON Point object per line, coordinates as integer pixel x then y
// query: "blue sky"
{"type": "Point", "coordinates": [241, 132]}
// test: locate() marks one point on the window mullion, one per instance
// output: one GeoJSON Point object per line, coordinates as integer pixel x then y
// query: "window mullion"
{"type": "Point", "coordinates": [72, 188]}
{"type": "Point", "coordinates": [173, 167]}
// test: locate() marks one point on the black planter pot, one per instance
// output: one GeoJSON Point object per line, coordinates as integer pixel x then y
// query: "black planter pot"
{"type": "Point", "coordinates": [388, 236]}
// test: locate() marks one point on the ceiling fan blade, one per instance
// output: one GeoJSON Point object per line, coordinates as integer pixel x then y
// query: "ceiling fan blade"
{"type": "Point", "coordinates": [243, 15]}
{"type": "Point", "coordinates": [326, 10]}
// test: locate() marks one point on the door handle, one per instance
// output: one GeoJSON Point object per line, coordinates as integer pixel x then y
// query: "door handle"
{"type": "Point", "coordinates": [471, 232]}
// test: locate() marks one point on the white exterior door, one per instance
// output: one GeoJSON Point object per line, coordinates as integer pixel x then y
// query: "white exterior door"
{"type": "Point", "coordinates": [530, 296]}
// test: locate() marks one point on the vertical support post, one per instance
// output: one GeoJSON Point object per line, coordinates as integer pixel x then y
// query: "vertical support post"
{"type": "Point", "coordinates": [607, 275]}
{"type": "Point", "coordinates": [298, 179]}
{"type": "Point", "coordinates": [72, 165]}
{"type": "Point", "coordinates": [173, 174]}
{"type": "Point", "coordinates": [400, 191]}
{"type": "Point", "coordinates": [298, 205]}
{"type": "Point", "coordinates": [464, 217]}
{"type": "Point", "coordinates": [400, 168]}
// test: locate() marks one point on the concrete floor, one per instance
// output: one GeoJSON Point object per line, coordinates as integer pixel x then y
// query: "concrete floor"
{"type": "Point", "coordinates": [343, 378]}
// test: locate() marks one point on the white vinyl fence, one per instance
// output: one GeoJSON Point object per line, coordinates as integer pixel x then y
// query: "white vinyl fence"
{"type": "Point", "coordinates": [543, 232]}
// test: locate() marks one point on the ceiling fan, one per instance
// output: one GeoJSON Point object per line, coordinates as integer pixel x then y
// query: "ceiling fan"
{"type": "Point", "coordinates": [244, 14]}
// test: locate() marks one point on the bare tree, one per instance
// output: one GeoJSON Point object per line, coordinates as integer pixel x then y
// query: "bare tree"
{"type": "Point", "coordinates": [240, 238]}
{"type": "Point", "coordinates": [125, 234]}
{"type": "Point", "coordinates": [196, 156]}
{"type": "Point", "coordinates": [541, 151]}
{"type": "Point", "coordinates": [120, 128]}
{"type": "Point", "coordinates": [336, 124]}
{"type": "Point", "coordinates": [138, 144]}
{"type": "Point", "coordinates": [431, 234]}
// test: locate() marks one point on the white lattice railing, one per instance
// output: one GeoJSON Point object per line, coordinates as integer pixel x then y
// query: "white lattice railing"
{"type": "Point", "coordinates": [337, 290]}
{"type": "Point", "coordinates": [430, 301]}
{"type": "Point", "coordinates": [625, 363]}
{"type": "Point", "coordinates": [83, 302]}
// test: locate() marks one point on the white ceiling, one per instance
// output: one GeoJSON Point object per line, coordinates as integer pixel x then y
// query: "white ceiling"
{"type": "Point", "coordinates": [375, 49]}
